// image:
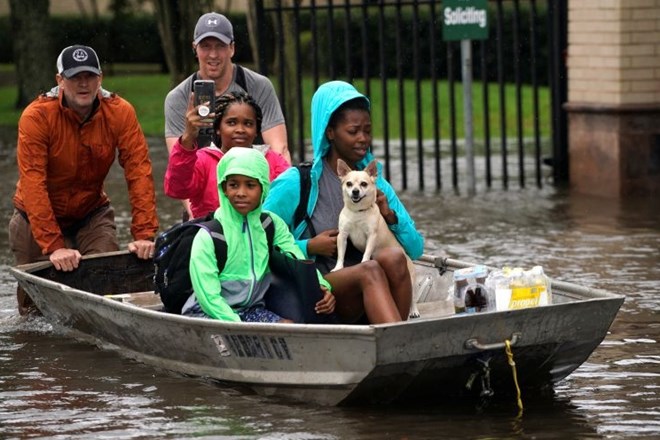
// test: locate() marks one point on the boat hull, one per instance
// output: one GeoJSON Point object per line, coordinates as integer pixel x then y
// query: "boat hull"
{"type": "Point", "coordinates": [422, 359]}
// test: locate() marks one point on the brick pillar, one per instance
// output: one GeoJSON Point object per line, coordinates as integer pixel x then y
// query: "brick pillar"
{"type": "Point", "coordinates": [614, 96]}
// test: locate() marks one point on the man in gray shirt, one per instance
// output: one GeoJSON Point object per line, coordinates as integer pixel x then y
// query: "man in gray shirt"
{"type": "Point", "coordinates": [213, 44]}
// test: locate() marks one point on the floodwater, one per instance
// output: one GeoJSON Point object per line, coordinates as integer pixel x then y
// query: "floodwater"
{"type": "Point", "coordinates": [52, 386]}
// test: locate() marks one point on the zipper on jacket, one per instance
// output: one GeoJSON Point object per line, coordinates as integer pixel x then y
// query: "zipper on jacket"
{"type": "Point", "coordinates": [246, 228]}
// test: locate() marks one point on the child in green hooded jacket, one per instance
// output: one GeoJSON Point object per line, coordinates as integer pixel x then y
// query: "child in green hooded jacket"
{"type": "Point", "coordinates": [238, 293]}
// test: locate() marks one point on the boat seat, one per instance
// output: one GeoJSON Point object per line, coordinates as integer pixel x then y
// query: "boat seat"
{"type": "Point", "coordinates": [145, 300]}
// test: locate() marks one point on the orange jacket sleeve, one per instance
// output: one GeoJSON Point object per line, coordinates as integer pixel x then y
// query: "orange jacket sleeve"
{"type": "Point", "coordinates": [32, 155]}
{"type": "Point", "coordinates": [134, 158]}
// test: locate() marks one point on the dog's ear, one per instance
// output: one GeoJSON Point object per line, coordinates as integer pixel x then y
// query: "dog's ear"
{"type": "Point", "coordinates": [342, 168]}
{"type": "Point", "coordinates": [372, 169]}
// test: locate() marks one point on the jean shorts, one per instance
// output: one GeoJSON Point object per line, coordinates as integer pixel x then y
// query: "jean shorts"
{"type": "Point", "coordinates": [258, 314]}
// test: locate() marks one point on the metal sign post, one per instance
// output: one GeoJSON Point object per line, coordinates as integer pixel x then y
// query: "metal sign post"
{"type": "Point", "coordinates": [466, 20]}
{"type": "Point", "coordinates": [466, 72]}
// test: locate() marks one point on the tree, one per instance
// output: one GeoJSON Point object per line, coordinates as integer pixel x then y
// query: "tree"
{"type": "Point", "coordinates": [94, 6]}
{"type": "Point", "coordinates": [253, 31]}
{"type": "Point", "coordinates": [35, 65]}
{"type": "Point", "coordinates": [176, 24]}
{"type": "Point", "coordinates": [284, 62]}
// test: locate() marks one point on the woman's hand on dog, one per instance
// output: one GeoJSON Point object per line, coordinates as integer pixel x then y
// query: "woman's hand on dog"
{"type": "Point", "coordinates": [384, 208]}
{"type": "Point", "coordinates": [327, 304]}
{"type": "Point", "coordinates": [324, 243]}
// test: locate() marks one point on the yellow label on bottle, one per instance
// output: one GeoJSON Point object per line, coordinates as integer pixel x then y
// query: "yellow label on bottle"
{"type": "Point", "coordinates": [523, 297]}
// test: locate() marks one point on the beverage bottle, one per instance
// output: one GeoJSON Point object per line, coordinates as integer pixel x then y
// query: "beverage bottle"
{"type": "Point", "coordinates": [480, 299]}
{"type": "Point", "coordinates": [470, 301]}
{"type": "Point", "coordinates": [459, 296]}
{"type": "Point", "coordinates": [538, 278]}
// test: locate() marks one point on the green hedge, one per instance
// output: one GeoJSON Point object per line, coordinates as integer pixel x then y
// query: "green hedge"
{"type": "Point", "coordinates": [131, 40]}
{"type": "Point", "coordinates": [335, 52]}
{"type": "Point", "coordinates": [6, 50]}
{"type": "Point", "coordinates": [136, 40]}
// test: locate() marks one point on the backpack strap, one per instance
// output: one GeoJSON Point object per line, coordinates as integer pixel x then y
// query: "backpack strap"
{"type": "Point", "coordinates": [192, 83]}
{"type": "Point", "coordinates": [214, 228]}
{"type": "Point", "coordinates": [269, 227]}
{"type": "Point", "coordinates": [242, 83]}
{"type": "Point", "coordinates": [305, 169]}
{"type": "Point", "coordinates": [240, 78]}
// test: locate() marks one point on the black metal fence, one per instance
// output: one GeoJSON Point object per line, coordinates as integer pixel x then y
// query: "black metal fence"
{"type": "Point", "coordinates": [393, 51]}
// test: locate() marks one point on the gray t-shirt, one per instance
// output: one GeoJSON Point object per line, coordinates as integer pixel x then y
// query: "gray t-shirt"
{"type": "Point", "coordinates": [326, 216]}
{"type": "Point", "coordinates": [258, 86]}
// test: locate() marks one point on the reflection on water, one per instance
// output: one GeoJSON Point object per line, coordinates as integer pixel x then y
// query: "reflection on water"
{"type": "Point", "coordinates": [53, 386]}
{"type": "Point", "coordinates": [60, 388]}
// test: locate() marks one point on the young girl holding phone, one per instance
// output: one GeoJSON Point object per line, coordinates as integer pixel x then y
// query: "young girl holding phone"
{"type": "Point", "coordinates": [191, 171]}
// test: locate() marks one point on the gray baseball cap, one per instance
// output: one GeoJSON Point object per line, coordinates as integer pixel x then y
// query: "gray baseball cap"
{"type": "Point", "coordinates": [76, 59]}
{"type": "Point", "coordinates": [214, 25]}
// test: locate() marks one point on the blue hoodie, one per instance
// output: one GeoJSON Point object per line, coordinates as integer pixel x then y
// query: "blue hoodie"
{"type": "Point", "coordinates": [284, 195]}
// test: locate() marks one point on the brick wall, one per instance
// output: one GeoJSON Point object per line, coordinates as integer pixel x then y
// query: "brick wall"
{"type": "Point", "coordinates": [614, 51]}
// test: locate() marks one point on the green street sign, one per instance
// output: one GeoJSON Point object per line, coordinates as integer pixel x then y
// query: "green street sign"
{"type": "Point", "coordinates": [464, 20]}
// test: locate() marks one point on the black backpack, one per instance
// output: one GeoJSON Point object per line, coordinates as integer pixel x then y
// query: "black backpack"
{"type": "Point", "coordinates": [172, 257]}
{"type": "Point", "coordinates": [304, 168]}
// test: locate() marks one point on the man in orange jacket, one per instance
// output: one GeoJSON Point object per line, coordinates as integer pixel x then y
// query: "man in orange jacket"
{"type": "Point", "coordinates": [67, 141]}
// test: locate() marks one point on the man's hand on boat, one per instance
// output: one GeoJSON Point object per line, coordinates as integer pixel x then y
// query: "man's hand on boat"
{"type": "Point", "coordinates": [65, 259]}
{"type": "Point", "coordinates": [142, 248]}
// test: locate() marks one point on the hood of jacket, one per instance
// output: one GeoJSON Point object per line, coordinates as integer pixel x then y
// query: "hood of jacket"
{"type": "Point", "coordinates": [247, 162]}
{"type": "Point", "coordinates": [327, 98]}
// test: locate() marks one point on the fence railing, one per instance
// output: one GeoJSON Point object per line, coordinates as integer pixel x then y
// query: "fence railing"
{"type": "Point", "coordinates": [394, 53]}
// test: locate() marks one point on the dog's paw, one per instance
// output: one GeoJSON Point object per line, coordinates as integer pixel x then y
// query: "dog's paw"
{"type": "Point", "coordinates": [337, 267]}
{"type": "Point", "coordinates": [414, 311]}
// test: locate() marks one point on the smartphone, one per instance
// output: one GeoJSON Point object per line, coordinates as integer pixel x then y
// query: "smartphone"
{"type": "Point", "coordinates": [204, 90]}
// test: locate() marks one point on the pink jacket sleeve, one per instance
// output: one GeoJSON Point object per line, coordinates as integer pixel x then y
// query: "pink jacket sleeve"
{"type": "Point", "coordinates": [277, 163]}
{"type": "Point", "coordinates": [182, 178]}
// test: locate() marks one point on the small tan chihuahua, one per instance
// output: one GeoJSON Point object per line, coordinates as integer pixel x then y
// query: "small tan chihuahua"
{"type": "Point", "coordinates": [361, 220]}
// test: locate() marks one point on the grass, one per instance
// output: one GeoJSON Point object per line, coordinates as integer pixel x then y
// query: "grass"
{"type": "Point", "coordinates": [478, 114]}
{"type": "Point", "coordinates": [147, 94]}
{"type": "Point", "coordinates": [146, 91]}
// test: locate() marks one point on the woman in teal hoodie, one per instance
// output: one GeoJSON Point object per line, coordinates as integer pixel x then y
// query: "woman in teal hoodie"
{"type": "Point", "coordinates": [341, 129]}
{"type": "Point", "coordinates": [237, 294]}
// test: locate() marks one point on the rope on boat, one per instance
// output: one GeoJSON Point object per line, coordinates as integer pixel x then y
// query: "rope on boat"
{"type": "Point", "coordinates": [509, 355]}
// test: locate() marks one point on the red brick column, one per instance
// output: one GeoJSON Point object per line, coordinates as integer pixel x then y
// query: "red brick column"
{"type": "Point", "coordinates": [614, 96]}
